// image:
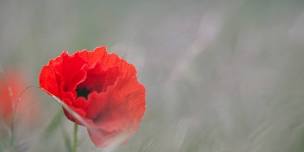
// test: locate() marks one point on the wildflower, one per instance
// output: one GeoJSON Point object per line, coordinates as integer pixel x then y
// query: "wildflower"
{"type": "Point", "coordinates": [99, 87]}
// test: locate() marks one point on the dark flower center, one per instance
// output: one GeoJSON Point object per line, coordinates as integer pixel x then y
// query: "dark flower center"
{"type": "Point", "coordinates": [82, 92]}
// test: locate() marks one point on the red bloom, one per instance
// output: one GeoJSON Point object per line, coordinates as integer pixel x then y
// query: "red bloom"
{"type": "Point", "coordinates": [15, 103]}
{"type": "Point", "coordinates": [99, 87]}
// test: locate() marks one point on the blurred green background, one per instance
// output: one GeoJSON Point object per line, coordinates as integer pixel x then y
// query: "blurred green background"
{"type": "Point", "coordinates": [221, 75]}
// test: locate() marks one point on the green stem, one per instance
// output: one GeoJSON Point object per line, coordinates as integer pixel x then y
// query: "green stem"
{"type": "Point", "coordinates": [75, 138]}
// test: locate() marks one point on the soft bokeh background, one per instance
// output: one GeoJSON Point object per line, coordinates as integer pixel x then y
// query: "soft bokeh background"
{"type": "Point", "coordinates": [221, 75]}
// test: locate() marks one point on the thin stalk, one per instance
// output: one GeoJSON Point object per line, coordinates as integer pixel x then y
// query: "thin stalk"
{"type": "Point", "coordinates": [75, 138]}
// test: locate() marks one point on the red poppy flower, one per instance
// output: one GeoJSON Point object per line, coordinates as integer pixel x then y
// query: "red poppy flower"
{"type": "Point", "coordinates": [15, 102]}
{"type": "Point", "coordinates": [99, 87]}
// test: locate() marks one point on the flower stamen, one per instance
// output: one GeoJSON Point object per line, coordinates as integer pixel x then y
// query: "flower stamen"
{"type": "Point", "coordinates": [82, 92]}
